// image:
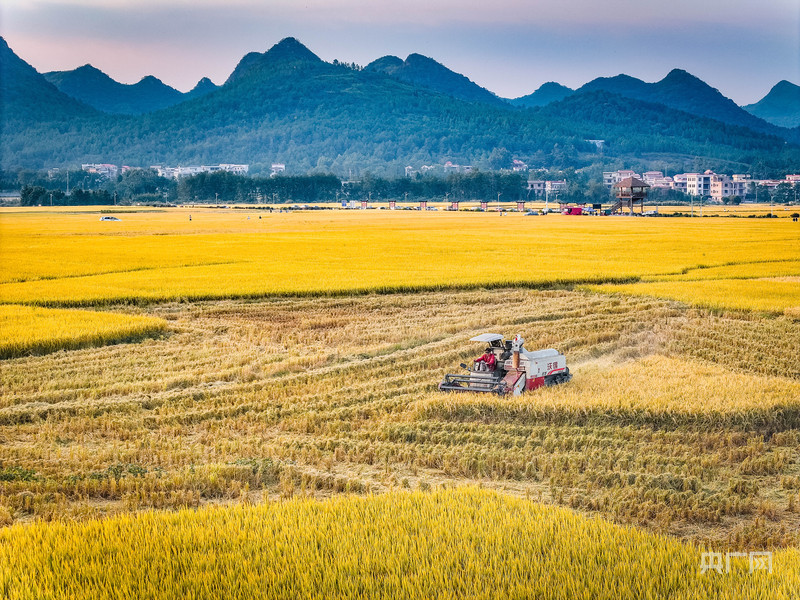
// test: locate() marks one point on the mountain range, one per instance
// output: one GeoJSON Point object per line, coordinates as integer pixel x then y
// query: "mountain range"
{"type": "Point", "coordinates": [93, 87]}
{"type": "Point", "coordinates": [287, 105]}
{"type": "Point", "coordinates": [683, 91]}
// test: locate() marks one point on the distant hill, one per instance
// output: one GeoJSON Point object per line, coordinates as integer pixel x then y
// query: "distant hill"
{"type": "Point", "coordinates": [547, 93]}
{"type": "Point", "coordinates": [426, 72]}
{"type": "Point", "coordinates": [636, 128]}
{"type": "Point", "coordinates": [93, 87]}
{"type": "Point", "coordinates": [289, 53]}
{"type": "Point", "coordinates": [203, 87]}
{"type": "Point", "coordinates": [781, 106]}
{"type": "Point", "coordinates": [684, 91]}
{"type": "Point", "coordinates": [286, 105]}
{"type": "Point", "coordinates": [27, 97]}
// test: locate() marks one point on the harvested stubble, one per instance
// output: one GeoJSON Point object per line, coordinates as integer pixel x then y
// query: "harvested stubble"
{"type": "Point", "coordinates": [313, 397]}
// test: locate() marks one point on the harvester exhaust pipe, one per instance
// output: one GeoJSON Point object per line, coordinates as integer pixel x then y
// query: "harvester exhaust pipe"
{"type": "Point", "coordinates": [516, 345]}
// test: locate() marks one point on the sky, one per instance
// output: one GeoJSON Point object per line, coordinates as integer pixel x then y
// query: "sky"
{"type": "Point", "coordinates": [741, 47]}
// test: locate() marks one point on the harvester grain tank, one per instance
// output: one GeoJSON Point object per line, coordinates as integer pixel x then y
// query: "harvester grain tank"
{"type": "Point", "coordinates": [515, 369]}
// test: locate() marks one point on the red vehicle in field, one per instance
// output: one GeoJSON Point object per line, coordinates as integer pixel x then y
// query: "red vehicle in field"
{"type": "Point", "coordinates": [516, 370]}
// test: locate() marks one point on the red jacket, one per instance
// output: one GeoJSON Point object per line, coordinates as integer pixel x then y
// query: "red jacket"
{"type": "Point", "coordinates": [489, 359]}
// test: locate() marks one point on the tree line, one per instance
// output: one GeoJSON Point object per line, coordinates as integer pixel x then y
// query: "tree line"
{"type": "Point", "coordinates": [145, 186]}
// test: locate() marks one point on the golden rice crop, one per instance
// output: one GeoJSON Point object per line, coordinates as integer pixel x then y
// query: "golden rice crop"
{"type": "Point", "coordinates": [655, 389]}
{"type": "Point", "coordinates": [163, 256]}
{"type": "Point", "coordinates": [465, 543]}
{"type": "Point", "coordinates": [746, 270]}
{"type": "Point", "coordinates": [734, 210]}
{"type": "Point", "coordinates": [770, 295]}
{"type": "Point", "coordinates": [26, 329]}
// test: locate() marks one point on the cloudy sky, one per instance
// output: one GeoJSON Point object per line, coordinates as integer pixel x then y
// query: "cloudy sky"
{"type": "Point", "coordinates": [741, 47]}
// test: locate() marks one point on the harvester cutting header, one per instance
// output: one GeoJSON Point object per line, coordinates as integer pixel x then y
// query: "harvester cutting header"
{"type": "Point", "coordinates": [506, 367]}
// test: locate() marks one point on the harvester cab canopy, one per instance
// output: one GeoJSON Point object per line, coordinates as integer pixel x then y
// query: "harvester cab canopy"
{"type": "Point", "coordinates": [493, 339]}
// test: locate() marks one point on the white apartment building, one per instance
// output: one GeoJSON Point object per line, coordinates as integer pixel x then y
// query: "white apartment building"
{"type": "Point", "coordinates": [612, 177]}
{"type": "Point", "coordinates": [699, 184]}
{"type": "Point", "coordinates": [656, 179]}
{"type": "Point", "coordinates": [679, 182]}
{"type": "Point", "coordinates": [716, 186]}
{"type": "Point", "coordinates": [540, 187]}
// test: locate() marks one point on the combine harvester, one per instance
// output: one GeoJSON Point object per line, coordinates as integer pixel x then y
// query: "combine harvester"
{"type": "Point", "coordinates": [508, 368]}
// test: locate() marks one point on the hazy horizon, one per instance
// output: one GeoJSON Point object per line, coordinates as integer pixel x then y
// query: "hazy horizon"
{"type": "Point", "coordinates": [510, 48]}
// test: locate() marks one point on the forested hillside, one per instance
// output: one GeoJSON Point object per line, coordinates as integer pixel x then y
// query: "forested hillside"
{"type": "Point", "coordinates": [286, 105]}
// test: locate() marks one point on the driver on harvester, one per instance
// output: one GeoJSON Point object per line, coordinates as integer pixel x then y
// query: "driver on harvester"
{"type": "Point", "coordinates": [487, 362]}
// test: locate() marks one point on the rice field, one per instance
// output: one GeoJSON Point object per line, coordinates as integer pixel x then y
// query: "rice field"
{"type": "Point", "coordinates": [764, 286]}
{"type": "Point", "coordinates": [27, 329]}
{"type": "Point", "coordinates": [769, 295]}
{"type": "Point", "coordinates": [247, 407]}
{"type": "Point", "coordinates": [466, 543]}
{"type": "Point", "coordinates": [156, 257]}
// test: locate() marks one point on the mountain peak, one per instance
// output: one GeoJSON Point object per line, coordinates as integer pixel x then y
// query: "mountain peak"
{"type": "Point", "coordinates": [421, 70]}
{"type": "Point", "coordinates": [151, 80]}
{"type": "Point", "coordinates": [204, 83]}
{"type": "Point", "coordinates": [544, 95]}
{"type": "Point", "coordinates": [80, 76]}
{"type": "Point", "coordinates": [781, 106]}
{"type": "Point", "coordinates": [415, 57]}
{"type": "Point", "coordinates": [291, 49]}
{"type": "Point", "coordinates": [681, 77]}
{"type": "Point", "coordinates": [385, 64]}
{"type": "Point", "coordinates": [88, 68]}
{"type": "Point", "coordinates": [678, 73]}
{"type": "Point", "coordinates": [203, 87]}
{"type": "Point", "coordinates": [784, 86]}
